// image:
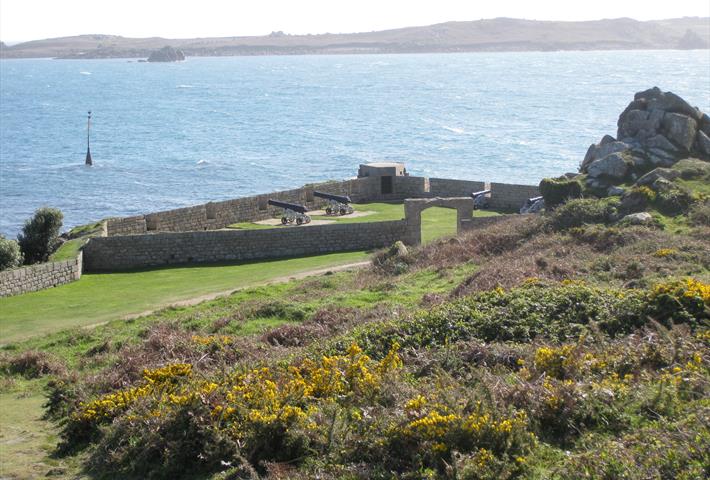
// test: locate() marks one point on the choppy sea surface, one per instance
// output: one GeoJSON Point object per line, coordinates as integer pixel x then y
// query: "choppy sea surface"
{"type": "Point", "coordinates": [171, 135]}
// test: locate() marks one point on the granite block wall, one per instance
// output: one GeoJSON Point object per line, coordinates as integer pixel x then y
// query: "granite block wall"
{"type": "Point", "coordinates": [139, 251]}
{"type": "Point", "coordinates": [40, 276]}
{"type": "Point", "coordinates": [125, 225]}
{"type": "Point", "coordinates": [445, 187]}
{"type": "Point", "coordinates": [511, 197]}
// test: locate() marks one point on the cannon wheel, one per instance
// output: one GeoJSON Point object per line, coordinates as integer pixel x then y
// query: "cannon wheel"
{"type": "Point", "coordinates": [328, 210]}
{"type": "Point", "coordinates": [343, 211]}
{"type": "Point", "coordinates": [284, 220]}
{"type": "Point", "coordinates": [299, 221]}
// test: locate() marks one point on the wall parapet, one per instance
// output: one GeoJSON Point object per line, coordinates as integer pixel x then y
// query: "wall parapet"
{"type": "Point", "coordinates": [130, 252]}
{"type": "Point", "coordinates": [40, 276]}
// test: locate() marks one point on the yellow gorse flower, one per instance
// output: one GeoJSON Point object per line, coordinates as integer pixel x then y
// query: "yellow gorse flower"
{"type": "Point", "coordinates": [220, 340]}
{"type": "Point", "coordinates": [158, 381]}
{"type": "Point", "coordinates": [688, 288]}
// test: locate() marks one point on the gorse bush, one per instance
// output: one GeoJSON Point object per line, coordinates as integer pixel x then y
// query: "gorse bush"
{"type": "Point", "coordinates": [675, 200]}
{"type": "Point", "coordinates": [520, 315]}
{"type": "Point", "coordinates": [471, 386]}
{"type": "Point", "coordinates": [31, 364]}
{"type": "Point", "coordinates": [556, 191]}
{"type": "Point", "coordinates": [699, 214]}
{"type": "Point", "coordinates": [10, 255]}
{"type": "Point", "coordinates": [277, 413]}
{"type": "Point", "coordinates": [576, 213]}
{"type": "Point", "coordinates": [39, 236]}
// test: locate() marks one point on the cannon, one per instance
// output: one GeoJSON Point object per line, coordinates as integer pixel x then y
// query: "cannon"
{"type": "Point", "coordinates": [293, 212]}
{"type": "Point", "coordinates": [480, 199]}
{"type": "Point", "coordinates": [533, 205]}
{"type": "Point", "coordinates": [337, 204]}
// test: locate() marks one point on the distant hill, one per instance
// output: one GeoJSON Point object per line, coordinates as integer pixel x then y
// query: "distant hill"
{"type": "Point", "coordinates": [493, 35]}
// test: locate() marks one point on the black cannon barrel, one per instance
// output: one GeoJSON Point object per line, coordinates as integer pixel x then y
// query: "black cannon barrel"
{"type": "Point", "coordinates": [478, 194]}
{"type": "Point", "coordinates": [289, 206]}
{"type": "Point", "coordinates": [331, 196]}
{"type": "Point", "coordinates": [532, 200]}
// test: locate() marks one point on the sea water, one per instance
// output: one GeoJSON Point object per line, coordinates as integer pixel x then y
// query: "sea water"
{"type": "Point", "coordinates": [171, 135]}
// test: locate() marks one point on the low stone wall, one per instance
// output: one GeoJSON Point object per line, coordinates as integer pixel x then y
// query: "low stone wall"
{"type": "Point", "coordinates": [509, 197]}
{"type": "Point", "coordinates": [125, 225]}
{"type": "Point", "coordinates": [139, 251]}
{"type": "Point", "coordinates": [40, 276]}
{"type": "Point", "coordinates": [445, 187]}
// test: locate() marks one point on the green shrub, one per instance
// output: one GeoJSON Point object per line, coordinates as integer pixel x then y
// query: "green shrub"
{"type": "Point", "coordinates": [699, 214]}
{"type": "Point", "coordinates": [394, 260]}
{"type": "Point", "coordinates": [39, 237]}
{"type": "Point", "coordinates": [576, 213]}
{"type": "Point", "coordinates": [668, 449]}
{"type": "Point", "coordinates": [536, 310]}
{"type": "Point", "coordinates": [519, 315]}
{"type": "Point", "coordinates": [556, 191]}
{"type": "Point", "coordinates": [31, 364]}
{"type": "Point", "coordinates": [674, 201]}
{"type": "Point", "coordinates": [10, 255]}
{"type": "Point", "coordinates": [281, 310]}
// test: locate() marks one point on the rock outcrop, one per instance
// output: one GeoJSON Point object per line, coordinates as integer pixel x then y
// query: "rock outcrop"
{"type": "Point", "coordinates": [641, 218]}
{"type": "Point", "coordinates": [654, 131]}
{"type": "Point", "coordinates": [167, 54]}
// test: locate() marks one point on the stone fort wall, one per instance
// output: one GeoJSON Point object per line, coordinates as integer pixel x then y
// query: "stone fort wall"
{"type": "Point", "coordinates": [217, 215]}
{"type": "Point", "coordinates": [127, 252]}
{"type": "Point", "coordinates": [38, 277]}
{"type": "Point", "coordinates": [192, 234]}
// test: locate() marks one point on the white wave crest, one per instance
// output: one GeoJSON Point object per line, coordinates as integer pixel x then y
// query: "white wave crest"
{"type": "Point", "coordinates": [460, 131]}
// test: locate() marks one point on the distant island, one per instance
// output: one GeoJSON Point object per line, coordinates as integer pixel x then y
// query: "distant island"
{"type": "Point", "coordinates": [492, 35]}
{"type": "Point", "coordinates": [167, 54]}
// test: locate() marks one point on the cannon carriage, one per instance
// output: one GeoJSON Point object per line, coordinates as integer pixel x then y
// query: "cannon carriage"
{"type": "Point", "coordinates": [480, 199]}
{"type": "Point", "coordinates": [533, 205]}
{"type": "Point", "coordinates": [337, 204]}
{"type": "Point", "coordinates": [292, 212]}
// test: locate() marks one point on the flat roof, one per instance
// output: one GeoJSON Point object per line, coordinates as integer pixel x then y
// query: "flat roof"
{"type": "Point", "coordinates": [383, 164]}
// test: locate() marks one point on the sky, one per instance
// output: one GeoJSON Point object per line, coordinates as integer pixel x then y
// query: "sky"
{"type": "Point", "coordinates": [22, 20]}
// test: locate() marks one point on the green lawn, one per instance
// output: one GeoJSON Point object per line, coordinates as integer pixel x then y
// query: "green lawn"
{"type": "Point", "coordinates": [102, 297]}
{"type": "Point", "coordinates": [78, 237]}
{"type": "Point", "coordinates": [380, 212]}
{"type": "Point", "coordinates": [68, 250]}
{"type": "Point", "coordinates": [436, 221]}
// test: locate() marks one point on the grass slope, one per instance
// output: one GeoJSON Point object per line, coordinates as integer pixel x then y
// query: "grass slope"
{"type": "Point", "coordinates": [101, 297]}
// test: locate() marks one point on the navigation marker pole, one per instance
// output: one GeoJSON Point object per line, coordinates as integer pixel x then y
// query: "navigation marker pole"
{"type": "Point", "coordinates": [88, 162]}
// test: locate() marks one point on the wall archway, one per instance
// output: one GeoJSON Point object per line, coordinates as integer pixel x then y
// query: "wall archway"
{"type": "Point", "coordinates": [413, 209]}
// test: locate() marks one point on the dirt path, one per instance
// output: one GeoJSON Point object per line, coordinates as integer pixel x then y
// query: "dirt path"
{"type": "Point", "coordinates": [211, 296]}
